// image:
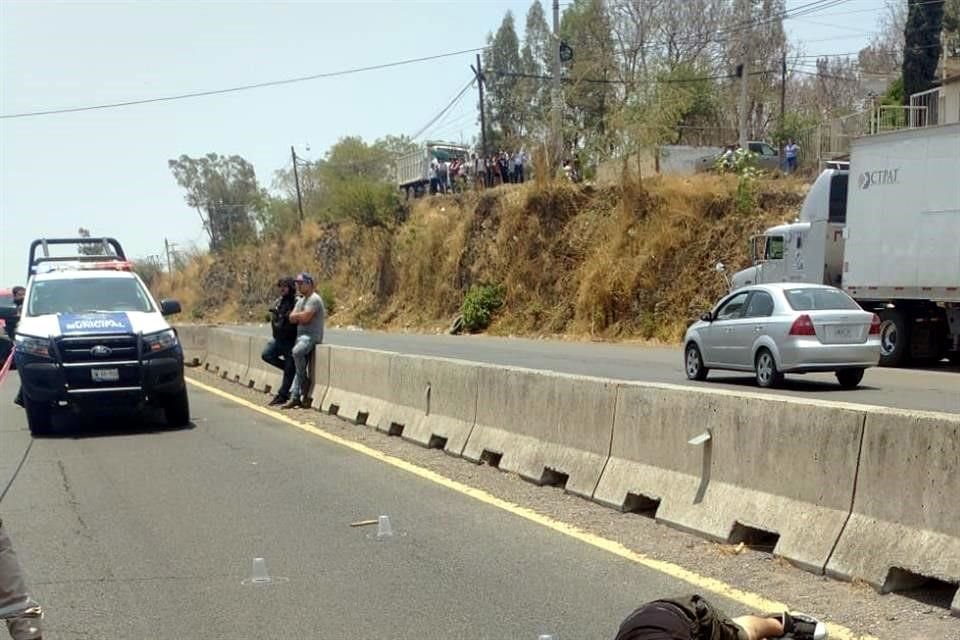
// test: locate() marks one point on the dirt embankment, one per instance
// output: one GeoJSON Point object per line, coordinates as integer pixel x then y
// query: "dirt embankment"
{"type": "Point", "coordinates": [624, 262]}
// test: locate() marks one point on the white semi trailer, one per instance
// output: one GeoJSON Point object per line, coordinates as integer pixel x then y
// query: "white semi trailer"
{"type": "Point", "coordinates": [886, 229]}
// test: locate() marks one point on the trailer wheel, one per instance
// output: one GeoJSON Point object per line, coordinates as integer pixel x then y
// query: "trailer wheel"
{"type": "Point", "coordinates": [894, 337]}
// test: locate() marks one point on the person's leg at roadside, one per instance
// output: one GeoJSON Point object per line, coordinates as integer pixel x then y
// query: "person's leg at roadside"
{"type": "Point", "coordinates": [301, 382]}
{"type": "Point", "coordinates": [20, 612]}
{"type": "Point", "coordinates": [271, 355]}
{"type": "Point", "coordinates": [289, 371]}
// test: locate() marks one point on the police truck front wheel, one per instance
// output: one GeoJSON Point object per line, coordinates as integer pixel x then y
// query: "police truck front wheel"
{"type": "Point", "coordinates": [176, 410]}
{"type": "Point", "coordinates": [38, 416]}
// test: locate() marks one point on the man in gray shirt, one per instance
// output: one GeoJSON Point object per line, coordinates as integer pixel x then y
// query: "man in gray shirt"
{"type": "Point", "coordinates": [308, 314]}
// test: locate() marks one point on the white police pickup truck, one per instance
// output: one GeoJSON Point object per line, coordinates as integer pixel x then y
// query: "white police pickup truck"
{"type": "Point", "coordinates": [91, 339]}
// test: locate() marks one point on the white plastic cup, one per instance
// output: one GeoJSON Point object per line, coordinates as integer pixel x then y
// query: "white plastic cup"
{"type": "Point", "coordinates": [384, 528]}
{"type": "Point", "coordinates": [260, 575]}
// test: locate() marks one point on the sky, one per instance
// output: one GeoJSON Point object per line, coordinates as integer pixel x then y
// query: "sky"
{"type": "Point", "coordinates": [106, 170]}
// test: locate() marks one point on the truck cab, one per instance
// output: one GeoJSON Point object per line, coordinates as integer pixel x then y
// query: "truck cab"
{"type": "Point", "coordinates": [809, 250]}
{"type": "Point", "coordinates": [92, 340]}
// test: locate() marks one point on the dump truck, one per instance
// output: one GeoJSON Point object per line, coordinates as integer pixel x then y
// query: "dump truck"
{"type": "Point", "coordinates": [413, 169]}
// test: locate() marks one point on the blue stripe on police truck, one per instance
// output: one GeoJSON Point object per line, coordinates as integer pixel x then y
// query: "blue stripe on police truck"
{"type": "Point", "coordinates": [100, 323]}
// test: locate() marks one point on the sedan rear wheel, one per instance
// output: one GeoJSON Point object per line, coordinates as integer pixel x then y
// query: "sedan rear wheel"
{"type": "Point", "coordinates": [694, 363]}
{"type": "Point", "coordinates": [849, 378]}
{"type": "Point", "coordinates": [768, 376]}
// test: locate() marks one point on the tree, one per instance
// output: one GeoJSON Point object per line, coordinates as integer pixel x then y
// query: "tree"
{"type": "Point", "coordinates": [396, 147]}
{"type": "Point", "coordinates": [89, 249]}
{"type": "Point", "coordinates": [765, 41]}
{"type": "Point", "coordinates": [502, 62]}
{"type": "Point", "coordinates": [922, 46]}
{"type": "Point", "coordinates": [591, 91]}
{"type": "Point", "coordinates": [951, 28]}
{"type": "Point", "coordinates": [536, 59]}
{"type": "Point", "coordinates": [883, 57]}
{"type": "Point", "coordinates": [354, 180]}
{"type": "Point", "coordinates": [225, 189]}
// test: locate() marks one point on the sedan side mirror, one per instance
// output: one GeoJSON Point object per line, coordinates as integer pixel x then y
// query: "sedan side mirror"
{"type": "Point", "coordinates": [707, 317]}
{"type": "Point", "coordinates": [169, 307]}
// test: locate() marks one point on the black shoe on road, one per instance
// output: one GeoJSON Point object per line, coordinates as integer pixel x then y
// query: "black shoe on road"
{"type": "Point", "coordinates": [277, 399]}
{"type": "Point", "coordinates": [293, 403]}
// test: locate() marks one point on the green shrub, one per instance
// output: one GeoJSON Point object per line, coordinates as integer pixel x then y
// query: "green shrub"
{"type": "Point", "coordinates": [329, 302]}
{"type": "Point", "coordinates": [479, 305]}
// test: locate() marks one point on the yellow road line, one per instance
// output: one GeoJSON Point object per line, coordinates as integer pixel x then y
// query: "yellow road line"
{"type": "Point", "coordinates": [753, 601]}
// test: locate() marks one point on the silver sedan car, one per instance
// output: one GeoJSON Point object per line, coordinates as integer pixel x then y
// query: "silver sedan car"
{"type": "Point", "coordinates": [773, 329]}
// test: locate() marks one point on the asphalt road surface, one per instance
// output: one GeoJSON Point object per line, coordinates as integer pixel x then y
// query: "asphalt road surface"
{"type": "Point", "coordinates": [931, 389]}
{"type": "Point", "coordinates": [132, 531]}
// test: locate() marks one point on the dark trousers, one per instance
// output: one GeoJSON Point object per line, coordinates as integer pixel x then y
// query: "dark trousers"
{"type": "Point", "coordinates": [280, 355]}
{"type": "Point", "coordinates": [683, 618]}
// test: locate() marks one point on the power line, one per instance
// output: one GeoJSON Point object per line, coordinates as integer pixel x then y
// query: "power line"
{"type": "Point", "coordinates": [722, 35]}
{"type": "Point", "coordinates": [239, 88]}
{"type": "Point", "coordinates": [449, 106]}
{"type": "Point", "coordinates": [837, 26]}
{"type": "Point", "coordinates": [537, 76]}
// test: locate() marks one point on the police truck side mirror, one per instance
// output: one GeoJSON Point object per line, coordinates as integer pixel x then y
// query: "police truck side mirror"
{"type": "Point", "coordinates": [169, 307]}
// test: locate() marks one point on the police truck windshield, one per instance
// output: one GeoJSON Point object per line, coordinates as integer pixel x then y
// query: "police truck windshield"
{"type": "Point", "coordinates": [87, 295]}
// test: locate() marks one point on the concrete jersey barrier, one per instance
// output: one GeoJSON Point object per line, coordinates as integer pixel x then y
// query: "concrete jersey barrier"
{"type": "Point", "coordinates": [434, 400]}
{"type": "Point", "coordinates": [193, 341]}
{"type": "Point", "coordinates": [548, 427]}
{"type": "Point", "coordinates": [771, 466]}
{"type": "Point", "coordinates": [260, 375]}
{"type": "Point", "coordinates": [228, 355]}
{"type": "Point", "coordinates": [359, 384]}
{"type": "Point", "coordinates": [905, 524]}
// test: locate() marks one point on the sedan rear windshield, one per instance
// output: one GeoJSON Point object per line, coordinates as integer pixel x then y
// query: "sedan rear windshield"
{"type": "Point", "coordinates": [87, 295]}
{"type": "Point", "coordinates": [809, 299]}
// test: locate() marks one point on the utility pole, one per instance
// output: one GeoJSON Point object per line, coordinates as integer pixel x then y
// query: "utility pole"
{"type": "Point", "coordinates": [783, 97]}
{"type": "Point", "coordinates": [478, 74]}
{"type": "Point", "coordinates": [742, 108]}
{"type": "Point", "coordinates": [745, 37]}
{"type": "Point", "coordinates": [557, 94]}
{"type": "Point", "coordinates": [296, 180]}
{"type": "Point", "coordinates": [169, 247]}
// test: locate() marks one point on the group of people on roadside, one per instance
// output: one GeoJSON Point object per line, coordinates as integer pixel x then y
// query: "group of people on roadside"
{"type": "Point", "coordinates": [296, 318]}
{"type": "Point", "coordinates": [502, 167]}
{"type": "Point", "coordinates": [455, 175]}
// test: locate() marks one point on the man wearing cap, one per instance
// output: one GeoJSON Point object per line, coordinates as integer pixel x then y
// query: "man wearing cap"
{"type": "Point", "coordinates": [308, 314]}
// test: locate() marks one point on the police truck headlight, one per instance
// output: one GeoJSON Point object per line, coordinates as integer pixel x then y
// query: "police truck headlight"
{"type": "Point", "coordinates": [161, 341]}
{"type": "Point", "coordinates": [38, 347]}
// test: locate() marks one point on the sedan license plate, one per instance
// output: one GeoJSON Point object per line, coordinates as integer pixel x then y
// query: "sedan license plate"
{"type": "Point", "coordinates": [841, 333]}
{"type": "Point", "coordinates": [105, 375]}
